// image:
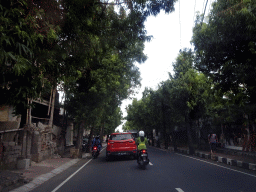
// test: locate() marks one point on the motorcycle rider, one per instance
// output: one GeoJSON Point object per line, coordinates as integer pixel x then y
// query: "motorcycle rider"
{"type": "Point", "coordinates": [96, 141]}
{"type": "Point", "coordinates": [141, 142]}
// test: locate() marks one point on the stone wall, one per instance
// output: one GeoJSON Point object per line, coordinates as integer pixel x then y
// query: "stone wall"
{"type": "Point", "coordinates": [11, 153]}
{"type": "Point", "coordinates": [42, 146]}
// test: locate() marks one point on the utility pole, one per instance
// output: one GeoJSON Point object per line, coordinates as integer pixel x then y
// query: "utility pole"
{"type": "Point", "coordinates": [52, 107]}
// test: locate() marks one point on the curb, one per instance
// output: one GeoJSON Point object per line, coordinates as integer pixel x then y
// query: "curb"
{"type": "Point", "coordinates": [220, 159]}
{"type": "Point", "coordinates": [45, 177]}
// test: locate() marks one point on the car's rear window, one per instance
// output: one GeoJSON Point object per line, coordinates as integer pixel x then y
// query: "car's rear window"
{"type": "Point", "coordinates": [121, 137]}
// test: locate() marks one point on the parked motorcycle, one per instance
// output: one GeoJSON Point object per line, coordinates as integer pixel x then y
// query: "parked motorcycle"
{"type": "Point", "coordinates": [85, 145]}
{"type": "Point", "coordinates": [143, 158]}
{"type": "Point", "coordinates": [95, 151]}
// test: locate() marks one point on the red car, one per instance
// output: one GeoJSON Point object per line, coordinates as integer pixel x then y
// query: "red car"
{"type": "Point", "coordinates": [121, 144]}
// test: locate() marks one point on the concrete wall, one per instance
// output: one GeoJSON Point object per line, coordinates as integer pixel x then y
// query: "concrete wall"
{"type": "Point", "coordinates": [56, 130]}
{"type": "Point", "coordinates": [7, 120]}
{"type": "Point", "coordinates": [69, 135]}
{"type": "Point", "coordinates": [4, 113]}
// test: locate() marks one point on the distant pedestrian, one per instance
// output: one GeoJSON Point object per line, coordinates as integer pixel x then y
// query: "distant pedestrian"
{"type": "Point", "coordinates": [228, 139]}
{"type": "Point", "coordinates": [235, 140]}
{"type": "Point", "coordinates": [252, 140]}
{"type": "Point", "coordinates": [239, 138]}
{"type": "Point", "coordinates": [222, 140]}
{"type": "Point", "coordinates": [212, 138]}
{"type": "Point", "coordinates": [246, 140]}
{"type": "Point", "coordinates": [232, 137]}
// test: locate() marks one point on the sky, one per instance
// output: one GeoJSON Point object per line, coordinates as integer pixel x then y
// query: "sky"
{"type": "Point", "coordinates": [171, 33]}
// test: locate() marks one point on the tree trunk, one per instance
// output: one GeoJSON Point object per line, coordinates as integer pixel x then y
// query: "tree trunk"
{"type": "Point", "coordinates": [189, 134]}
{"type": "Point", "coordinates": [174, 140]}
{"type": "Point", "coordinates": [88, 150]}
{"type": "Point", "coordinates": [102, 132]}
{"type": "Point", "coordinates": [158, 139]}
{"type": "Point", "coordinates": [152, 138]}
{"type": "Point", "coordinates": [167, 139]}
{"type": "Point", "coordinates": [164, 128]}
{"type": "Point", "coordinates": [80, 136]}
{"type": "Point", "coordinates": [166, 143]}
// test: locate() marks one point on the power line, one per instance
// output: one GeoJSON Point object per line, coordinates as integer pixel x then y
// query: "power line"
{"type": "Point", "coordinates": [204, 11]}
{"type": "Point", "coordinates": [203, 6]}
{"type": "Point", "coordinates": [180, 23]}
{"type": "Point", "coordinates": [194, 12]}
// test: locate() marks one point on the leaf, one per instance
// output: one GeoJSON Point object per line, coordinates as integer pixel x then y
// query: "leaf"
{"type": "Point", "coordinates": [5, 13]}
{"type": "Point", "coordinates": [12, 56]}
{"type": "Point", "coordinates": [25, 49]}
{"type": "Point", "coordinates": [7, 41]}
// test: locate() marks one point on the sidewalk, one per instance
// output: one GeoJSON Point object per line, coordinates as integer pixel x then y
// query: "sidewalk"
{"type": "Point", "coordinates": [38, 173]}
{"type": "Point", "coordinates": [27, 179]}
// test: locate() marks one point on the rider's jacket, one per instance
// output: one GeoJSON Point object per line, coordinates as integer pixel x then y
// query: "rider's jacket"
{"type": "Point", "coordinates": [141, 144]}
{"type": "Point", "coordinates": [96, 142]}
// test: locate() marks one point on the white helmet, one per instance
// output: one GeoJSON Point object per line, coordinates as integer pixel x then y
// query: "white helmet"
{"type": "Point", "coordinates": [141, 133]}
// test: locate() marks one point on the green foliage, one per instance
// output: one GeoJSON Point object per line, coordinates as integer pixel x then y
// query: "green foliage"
{"type": "Point", "coordinates": [184, 98]}
{"type": "Point", "coordinates": [22, 72]}
{"type": "Point", "coordinates": [83, 44]}
{"type": "Point", "coordinates": [114, 42]}
{"type": "Point", "coordinates": [225, 48]}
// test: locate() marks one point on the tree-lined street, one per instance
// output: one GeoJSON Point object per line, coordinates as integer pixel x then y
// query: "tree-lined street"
{"type": "Point", "coordinates": [89, 51]}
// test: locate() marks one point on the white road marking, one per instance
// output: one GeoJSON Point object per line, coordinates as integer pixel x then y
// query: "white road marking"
{"type": "Point", "coordinates": [179, 189]}
{"type": "Point", "coordinates": [150, 163]}
{"type": "Point", "coordinates": [217, 165]}
{"type": "Point", "coordinates": [60, 185]}
{"type": "Point", "coordinates": [162, 149]}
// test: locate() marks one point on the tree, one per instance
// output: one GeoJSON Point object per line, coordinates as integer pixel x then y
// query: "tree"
{"type": "Point", "coordinates": [84, 44]}
{"type": "Point", "coordinates": [225, 48]}
{"type": "Point", "coordinates": [181, 100]}
{"type": "Point", "coordinates": [24, 33]}
{"type": "Point", "coordinates": [115, 41]}
{"type": "Point", "coordinates": [190, 92]}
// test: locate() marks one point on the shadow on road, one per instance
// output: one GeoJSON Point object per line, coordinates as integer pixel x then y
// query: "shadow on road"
{"type": "Point", "coordinates": [121, 158]}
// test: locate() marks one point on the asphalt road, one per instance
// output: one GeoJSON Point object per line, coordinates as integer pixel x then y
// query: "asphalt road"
{"type": "Point", "coordinates": [166, 172]}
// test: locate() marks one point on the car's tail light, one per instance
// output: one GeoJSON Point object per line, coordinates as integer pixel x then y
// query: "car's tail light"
{"type": "Point", "coordinates": [110, 142]}
{"type": "Point", "coordinates": [94, 148]}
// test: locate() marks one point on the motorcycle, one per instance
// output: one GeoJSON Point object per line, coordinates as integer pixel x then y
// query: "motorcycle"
{"type": "Point", "coordinates": [143, 158]}
{"type": "Point", "coordinates": [95, 151]}
{"type": "Point", "coordinates": [85, 145]}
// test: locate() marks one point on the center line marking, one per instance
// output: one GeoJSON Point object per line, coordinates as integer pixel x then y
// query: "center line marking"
{"type": "Point", "coordinates": [179, 189]}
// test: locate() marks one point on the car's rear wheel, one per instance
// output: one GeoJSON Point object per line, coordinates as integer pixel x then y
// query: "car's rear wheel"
{"type": "Point", "coordinates": [132, 157]}
{"type": "Point", "coordinates": [107, 157]}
